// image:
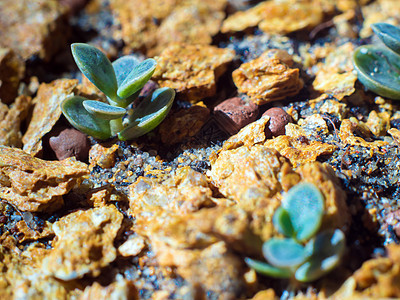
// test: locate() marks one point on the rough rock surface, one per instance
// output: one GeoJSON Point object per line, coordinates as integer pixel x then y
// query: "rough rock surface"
{"type": "Point", "coordinates": [33, 27]}
{"type": "Point", "coordinates": [268, 78]}
{"type": "Point", "coordinates": [276, 17]}
{"type": "Point", "coordinates": [32, 184]}
{"type": "Point", "coordinates": [84, 243]}
{"type": "Point", "coordinates": [192, 70]}
{"type": "Point", "coordinates": [47, 111]}
{"type": "Point", "coordinates": [70, 143]}
{"type": "Point", "coordinates": [12, 69]}
{"type": "Point", "coordinates": [11, 120]}
{"type": "Point", "coordinates": [153, 25]}
{"type": "Point", "coordinates": [235, 113]}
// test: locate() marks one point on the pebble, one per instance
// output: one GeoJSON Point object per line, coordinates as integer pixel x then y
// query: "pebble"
{"type": "Point", "coordinates": [279, 119]}
{"type": "Point", "coordinates": [235, 113]}
{"type": "Point", "coordinates": [70, 142]}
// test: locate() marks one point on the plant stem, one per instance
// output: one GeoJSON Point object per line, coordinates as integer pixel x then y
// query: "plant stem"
{"type": "Point", "coordinates": [116, 126]}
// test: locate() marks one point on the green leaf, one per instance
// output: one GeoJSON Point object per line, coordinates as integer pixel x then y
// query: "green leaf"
{"type": "Point", "coordinates": [137, 78]}
{"type": "Point", "coordinates": [282, 222]}
{"type": "Point", "coordinates": [389, 35]}
{"type": "Point", "coordinates": [149, 114]}
{"type": "Point", "coordinates": [126, 101]}
{"type": "Point", "coordinates": [266, 269]}
{"type": "Point", "coordinates": [305, 205]}
{"type": "Point", "coordinates": [77, 115]}
{"type": "Point", "coordinates": [96, 67]}
{"type": "Point", "coordinates": [286, 253]}
{"type": "Point", "coordinates": [103, 110]}
{"type": "Point", "coordinates": [327, 249]}
{"type": "Point", "coordinates": [378, 70]}
{"type": "Point", "coordinates": [123, 66]}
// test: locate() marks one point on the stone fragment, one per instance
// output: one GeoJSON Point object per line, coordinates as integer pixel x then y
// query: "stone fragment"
{"type": "Point", "coordinates": [378, 122]}
{"type": "Point", "coordinates": [376, 279]}
{"type": "Point", "coordinates": [192, 70]}
{"type": "Point", "coordinates": [12, 69]}
{"type": "Point", "coordinates": [26, 233]}
{"type": "Point", "coordinates": [183, 124]}
{"type": "Point", "coordinates": [263, 174]}
{"type": "Point", "coordinates": [33, 27]}
{"type": "Point", "coordinates": [348, 137]}
{"type": "Point", "coordinates": [102, 156]}
{"type": "Point", "coordinates": [335, 76]}
{"type": "Point", "coordinates": [279, 118]}
{"type": "Point", "coordinates": [84, 243]}
{"type": "Point", "coordinates": [278, 17]}
{"type": "Point", "coordinates": [235, 113]}
{"type": "Point", "coordinates": [132, 247]}
{"type": "Point", "coordinates": [10, 121]}
{"type": "Point", "coordinates": [70, 143]}
{"type": "Point", "coordinates": [153, 26]}
{"type": "Point", "coordinates": [32, 184]}
{"type": "Point", "coordinates": [148, 89]}
{"type": "Point", "coordinates": [47, 111]}
{"type": "Point", "coordinates": [256, 168]}
{"type": "Point", "coordinates": [299, 150]}
{"type": "Point", "coordinates": [268, 78]}
{"type": "Point", "coordinates": [120, 289]}
{"type": "Point", "coordinates": [249, 135]}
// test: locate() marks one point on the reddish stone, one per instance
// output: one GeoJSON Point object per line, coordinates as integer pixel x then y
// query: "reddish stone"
{"type": "Point", "coordinates": [70, 142]}
{"type": "Point", "coordinates": [278, 120]}
{"type": "Point", "coordinates": [235, 113]}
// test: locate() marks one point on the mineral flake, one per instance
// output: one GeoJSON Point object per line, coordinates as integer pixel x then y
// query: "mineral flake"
{"type": "Point", "coordinates": [32, 184]}
{"type": "Point", "coordinates": [268, 78]}
{"type": "Point", "coordinates": [84, 243]}
{"type": "Point", "coordinates": [192, 70]}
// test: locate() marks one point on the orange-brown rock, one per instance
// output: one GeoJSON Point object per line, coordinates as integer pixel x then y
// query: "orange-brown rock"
{"type": "Point", "coordinates": [277, 17]}
{"type": "Point", "coordinates": [183, 124]}
{"type": "Point", "coordinates": [268, 78]}
{"type": "Point", "coordinates": [192, 70]}
{"type": "Point", "coordinates": [377, 278]}
{"type": "Point", "coordinates": [335, 76]}
{"type": "Point", "coordinates": [120, 289]}
{"type": "Point", "coordinates": [84, 243]}
{"type": "Point", "coordinates": [47, 111]}
{"type": "Point", "coordinates": [33, 27]}
{"type": "Point", "coordinates": [32, 184]}
{"type": "Point", "coordinates": [102, 156]}
{"type": "Point", "coordinates": [11, 119]}
{"type": "Point", "coordinates": [152, 25]}
{"type": "Point", "coordinates": [299, 152]}
{"type": "Point", "coordinates": [12, 69]}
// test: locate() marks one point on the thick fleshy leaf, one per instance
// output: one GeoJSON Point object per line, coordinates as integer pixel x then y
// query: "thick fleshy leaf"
{"type": "Point", "coordinates": [149, 114]}
{"type": "Point", "coordinates": [305, 205]}
{"type": "Point", "coordinates": [284, 253]}
{"type": "Point", "coordinates": [103, 110]}
{"type": "Point", "coordinates": [266, 269]}
{"type": "Point", "coordinates": [389, 35]}
{"type": "Point", "coordinates": [282, 222]}
{"type": "Point", "coordinates": [327, 249]}
{"type": "Point", "coordinates": [378, 70]}
{"type": "Point", "coordinates": [96, 67]}
{"type": "Point", "coordinates": [79, 117]}
{"type": "Point", "coordinates": [126, 101]}
{"type": "Point", "coordinates": [123, 66]}
{"type": "Point", "coordinates": [137, 78]}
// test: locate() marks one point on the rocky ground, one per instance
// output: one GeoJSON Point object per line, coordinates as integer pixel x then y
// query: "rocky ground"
{"type": "Point", "coordinates": [267, 97]}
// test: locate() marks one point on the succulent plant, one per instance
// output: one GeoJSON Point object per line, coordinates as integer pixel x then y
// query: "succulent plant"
{"type": "Point", "coordinates": [121, 81]}
{"type": "Point", "coordinates": [303, 254]}
{"type": "Point", "coordinates": [378, 66]}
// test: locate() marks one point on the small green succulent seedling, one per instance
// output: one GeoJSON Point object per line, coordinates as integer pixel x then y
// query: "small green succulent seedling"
{"type": "Point", "coordinates": [121, 81]}
{"type": "Point", "coordinates": [378, 66]}
{"type": "Point", "coordinates": [302, 255]}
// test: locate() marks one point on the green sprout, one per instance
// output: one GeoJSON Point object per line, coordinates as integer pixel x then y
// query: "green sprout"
{"type": "Point", "coordinates": [378, 66]}
{"type": "Point", "coordinates": [303, 254]}
{"type": "Point", "coordinates": [121, 81]}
